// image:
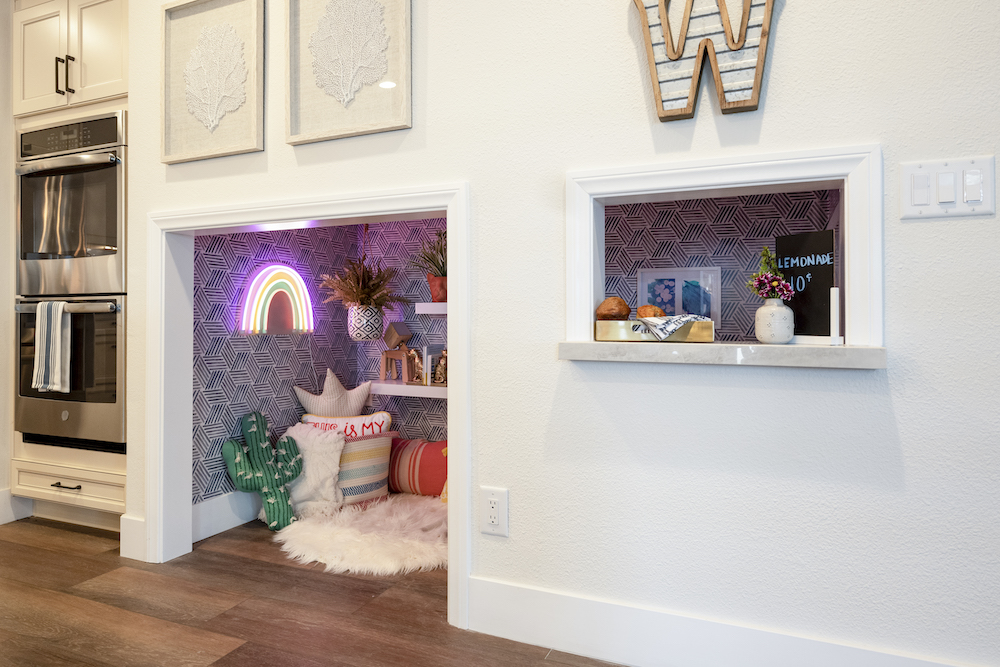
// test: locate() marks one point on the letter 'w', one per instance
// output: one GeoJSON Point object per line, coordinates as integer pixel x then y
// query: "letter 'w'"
{"type": "Point", "coordinates": [737, 61]}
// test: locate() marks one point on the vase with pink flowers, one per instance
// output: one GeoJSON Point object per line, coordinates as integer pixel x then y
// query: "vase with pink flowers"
{"type": "Point", "coordinates": [774, 321]}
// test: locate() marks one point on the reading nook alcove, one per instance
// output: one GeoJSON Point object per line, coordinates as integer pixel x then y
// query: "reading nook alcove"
{"type": "Point", "coordinates": [851, 175]}
{"type": "Point", "coordinates": [177, 240]}
{"type": "Point", "coordinates": [242, 365]}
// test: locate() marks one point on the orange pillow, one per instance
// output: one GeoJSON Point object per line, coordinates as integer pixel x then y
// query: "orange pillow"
{"type": "Point", "coordinates": [418, 466]}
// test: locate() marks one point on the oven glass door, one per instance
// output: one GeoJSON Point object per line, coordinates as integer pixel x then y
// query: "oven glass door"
{"type": "Point", "coordinates": [93, 358]}
{"type": "Point", "coordinates": [70, 211]}
{"type": "Point", "coordinates": [71, 224]}
{"type": "Point", "coordinates": [92, 413]}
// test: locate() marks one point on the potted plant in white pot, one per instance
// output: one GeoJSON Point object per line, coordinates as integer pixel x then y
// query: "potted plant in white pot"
{"type": "Point", "coordinates": [774, 322]}
{"type": "Point", "coordinates": [433, 258]}
{"type": "Point", "coordinates": [365, 289]}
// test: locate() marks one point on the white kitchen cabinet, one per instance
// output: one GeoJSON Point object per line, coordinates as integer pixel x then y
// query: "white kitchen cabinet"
{"type": "Point", "coordinates": [92, 489]}
{"type": "Point", "coordinates": [69, 52]}
{"type": "Point", "coordinates": [79, 477]}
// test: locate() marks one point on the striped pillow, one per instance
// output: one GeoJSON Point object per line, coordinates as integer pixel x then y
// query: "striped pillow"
{"type": "Point", "coordinates": [364, 467]}
{"type": "Point", "coordinates": [418, 466]}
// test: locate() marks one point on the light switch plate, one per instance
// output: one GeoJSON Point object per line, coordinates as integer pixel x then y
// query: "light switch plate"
{"type": "Point", "coordinates": [939, 173]}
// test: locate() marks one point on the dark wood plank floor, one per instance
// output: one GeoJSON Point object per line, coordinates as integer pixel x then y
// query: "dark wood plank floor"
{"type": "Point", "coordinates": [68, 598]}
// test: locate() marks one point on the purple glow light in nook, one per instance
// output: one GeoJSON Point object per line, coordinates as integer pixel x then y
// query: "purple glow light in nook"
{"type": "Point", "coordinates": [269, 282]}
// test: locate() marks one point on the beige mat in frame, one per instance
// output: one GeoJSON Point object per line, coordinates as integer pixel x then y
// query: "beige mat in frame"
{"type": "Point", "coordinates": [212, 92]}
{"type": "Point", "coordinates": [330, 95]}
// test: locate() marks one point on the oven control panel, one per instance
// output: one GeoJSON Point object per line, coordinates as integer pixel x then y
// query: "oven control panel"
{"type": "Point", "coordinates": [71, 137]}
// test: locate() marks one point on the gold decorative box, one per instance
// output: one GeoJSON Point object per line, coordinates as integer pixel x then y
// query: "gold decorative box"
{"type": "Point", "coordinates": [635, 331]}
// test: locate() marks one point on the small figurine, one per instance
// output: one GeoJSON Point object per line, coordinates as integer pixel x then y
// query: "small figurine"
{"type": "Point", "coordinates": [441, 370]}
{"type": "Point", "coordinates": [396, 335]}
{"type": "Point", "coordinates": [416, 367]}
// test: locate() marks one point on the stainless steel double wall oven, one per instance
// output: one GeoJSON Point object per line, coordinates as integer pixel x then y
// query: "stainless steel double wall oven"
{"type": "Point", "coordinates": [71, 214]}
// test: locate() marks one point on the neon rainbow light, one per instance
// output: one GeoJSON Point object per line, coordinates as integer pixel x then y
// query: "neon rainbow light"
{"type": "Point", "coordinates": [266, 284]}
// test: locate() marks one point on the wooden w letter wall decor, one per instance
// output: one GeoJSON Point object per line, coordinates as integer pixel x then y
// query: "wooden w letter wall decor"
{"type": "Point", "coordinates": [737, 61]}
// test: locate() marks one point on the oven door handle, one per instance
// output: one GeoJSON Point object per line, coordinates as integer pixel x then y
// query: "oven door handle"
{"type": "Point", "coordinates": [95, 307]}
{"type": "Point", "coordinates": [91, 160]}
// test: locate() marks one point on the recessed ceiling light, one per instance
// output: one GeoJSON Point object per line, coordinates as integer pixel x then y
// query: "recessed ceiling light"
{"type": "Point", "coordinates": [387, 84]}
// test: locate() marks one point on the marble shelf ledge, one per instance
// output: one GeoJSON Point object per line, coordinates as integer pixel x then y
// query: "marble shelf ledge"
{"type": "Point", "coordinates": [728, 354]}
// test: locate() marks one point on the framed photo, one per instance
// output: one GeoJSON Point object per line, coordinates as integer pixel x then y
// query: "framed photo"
{"type": "Point", "coordinates": [213, 79]}
{"type": "Point", "coordinates": [690, 290]}
{"type": "Point", "coordinates": [335, 92]}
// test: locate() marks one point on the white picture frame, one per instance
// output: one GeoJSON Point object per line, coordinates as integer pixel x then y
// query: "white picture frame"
{"type": "Point", "coordinates": [665, 288]}
{"type": "Point", "coordinates": [212, 87]}
{"type": "Point", "coordinates": [318, 104]}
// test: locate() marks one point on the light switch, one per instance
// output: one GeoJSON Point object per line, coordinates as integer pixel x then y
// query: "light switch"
{"type": "Point", "coordinates": [946, 187]}
{"type": "Point", "coordinates": [921, 195]}
{"type": "Point", "coordinates": [973, 192]}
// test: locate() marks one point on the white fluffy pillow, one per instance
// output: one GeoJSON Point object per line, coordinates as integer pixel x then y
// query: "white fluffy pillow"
{"type": "Point", "coordinates": [315, 491]}
{"type": "Point", "coordinates": [335, 401]}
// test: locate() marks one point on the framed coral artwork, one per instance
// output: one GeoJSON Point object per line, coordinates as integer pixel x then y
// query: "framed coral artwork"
{"type": "Point", "coordinates": [213, 79]}
{"type": "Point", "coordinates": [348, 68]}
{"type": "Point", "coordinates": [693, 290]}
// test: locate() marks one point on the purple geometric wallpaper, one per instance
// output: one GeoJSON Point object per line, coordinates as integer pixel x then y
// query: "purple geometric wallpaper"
{"type": "Point", "coordinates": [727, 232]}
{"type": "Point", "coordinates": [395, 243]}
{"type": "Point", "coordinates": [235, 374]}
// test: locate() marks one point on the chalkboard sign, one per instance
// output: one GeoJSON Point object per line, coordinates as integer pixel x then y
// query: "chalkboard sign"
{"type": "Point", "coordinates": [806, 260]}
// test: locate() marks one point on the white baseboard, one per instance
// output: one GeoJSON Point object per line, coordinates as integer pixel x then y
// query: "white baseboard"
{"type": "Point", "coordinates": [133, 538]}
{"type": "Point", "coordinates": [208, 518]}
{"type": "Point", "coordinates": [645, 637]}
{"type": "Point", "coordinates": [219, 514]}
{"type": "Point", "coordinates": [14, 508]}
{"type": "Point", "coordinates": [80, 516]}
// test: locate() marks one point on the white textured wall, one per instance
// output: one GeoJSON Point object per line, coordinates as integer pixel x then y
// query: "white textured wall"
{"type": "Point", "coordinates": [857, 507]}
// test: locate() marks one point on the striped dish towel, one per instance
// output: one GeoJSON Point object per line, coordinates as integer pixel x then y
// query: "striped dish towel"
{"type": "Point", "coordinates": [52, 345]}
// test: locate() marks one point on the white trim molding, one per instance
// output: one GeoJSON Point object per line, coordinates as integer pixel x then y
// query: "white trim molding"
{"type": "Point", "coordinates": [858, 170]}
{"type": "Point", "coordinates": [13, 508]}
{"type": "Point", "coordinates": [166, 529]}
{"type": "Point", "coordinates": [220, 513]}
{"type": "Point", "coordinates": [629, 635]}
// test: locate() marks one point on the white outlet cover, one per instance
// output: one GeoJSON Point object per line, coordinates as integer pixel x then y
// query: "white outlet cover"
{"type": "Point", "coordinates": [935, 173]}
{"type": "Point", "coordinates": [486, 526]}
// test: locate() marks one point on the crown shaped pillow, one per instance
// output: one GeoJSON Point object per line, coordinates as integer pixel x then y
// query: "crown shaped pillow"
{"type": "Point", "coordinates": [335, 401]}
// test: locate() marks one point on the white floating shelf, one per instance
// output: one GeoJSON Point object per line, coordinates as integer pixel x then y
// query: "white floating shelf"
{"type": "Point", "coordinates": [400, 388]}
{"type": "Point", "coordinates": [728, 354]}
{"type": "Point", "coordinates": [432, 308]}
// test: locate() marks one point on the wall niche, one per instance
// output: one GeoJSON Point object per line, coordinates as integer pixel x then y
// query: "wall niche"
{"type": "Point", "coordinates": [723, 232]}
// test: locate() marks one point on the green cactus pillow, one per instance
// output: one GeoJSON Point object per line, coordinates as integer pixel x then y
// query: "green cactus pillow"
{"type": "Point", "coordinates": [258, 467]}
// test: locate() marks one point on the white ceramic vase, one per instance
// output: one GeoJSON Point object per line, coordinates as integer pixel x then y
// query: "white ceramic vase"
{"type": "Point", "coordinates": [364, 322]}
{"type": "Point", "coordinates": [774, 322]}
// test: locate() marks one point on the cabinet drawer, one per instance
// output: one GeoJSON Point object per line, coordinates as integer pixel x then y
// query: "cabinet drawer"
{"type": "Point", "coordinates": [98, 490]}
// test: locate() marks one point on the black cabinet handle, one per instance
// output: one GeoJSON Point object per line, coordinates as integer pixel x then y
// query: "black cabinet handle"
{"type": "Point", "coordinates": [59, 60]}
{"type": "Point", "coordinates": [59, 485]}
{"type": "Point", "coordinates": [68, 58]}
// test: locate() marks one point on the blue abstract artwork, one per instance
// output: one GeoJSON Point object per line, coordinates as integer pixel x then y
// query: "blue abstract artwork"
{"type": "Point", "coordinates": [662, 292]}
{"type": "Point", "coordinates": [696, 300]}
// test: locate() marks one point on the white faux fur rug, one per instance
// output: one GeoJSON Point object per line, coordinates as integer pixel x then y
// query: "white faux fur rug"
{"type": "Point", "coordinates": [398, 535]}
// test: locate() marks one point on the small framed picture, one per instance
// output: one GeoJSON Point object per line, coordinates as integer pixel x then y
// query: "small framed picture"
{"type": "Point", "coordinates": [213, 72]}
{"type": "Point", "coordinates": [688, 291]}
